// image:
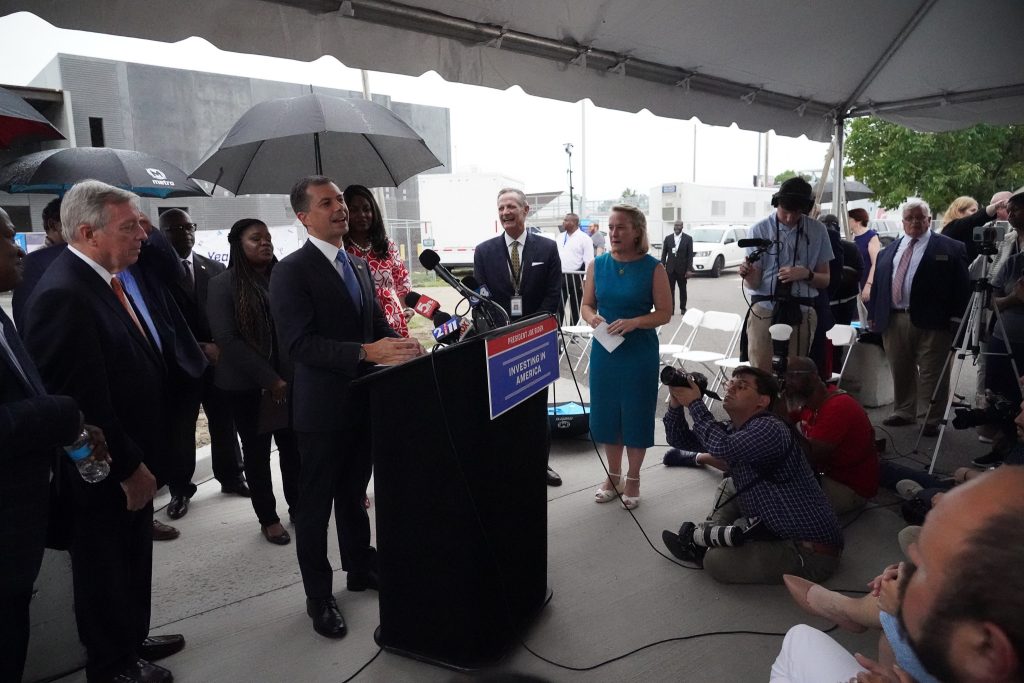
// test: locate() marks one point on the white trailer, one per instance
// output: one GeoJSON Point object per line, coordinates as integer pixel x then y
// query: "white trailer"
{"type": "Point", "coordinates": [705, 205]}
{"type": "Point", "coordinates": [460, 211]}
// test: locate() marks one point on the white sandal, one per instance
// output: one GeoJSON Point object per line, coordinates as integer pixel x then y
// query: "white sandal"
{"type": "Point", "coordinates": [628, 502]}
{"type": "Point", "coordinates": [603, 495]}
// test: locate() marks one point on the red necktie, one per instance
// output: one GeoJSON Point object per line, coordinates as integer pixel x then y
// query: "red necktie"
{"type": "Point", "coordinates": [115, 284]}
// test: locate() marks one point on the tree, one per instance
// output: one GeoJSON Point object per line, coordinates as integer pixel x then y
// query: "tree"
{"type": "Point", "coordinates": [787, 174]}
{"type": "Point", "coordinates": [897, 162]}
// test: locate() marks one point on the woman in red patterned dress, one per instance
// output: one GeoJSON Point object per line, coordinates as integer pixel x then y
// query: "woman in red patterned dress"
{"type": "Point", "coordinates": [367, 239]}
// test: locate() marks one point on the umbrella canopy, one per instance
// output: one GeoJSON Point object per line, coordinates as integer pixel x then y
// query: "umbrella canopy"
{"type": "Point", "coordinates": [54, 171]}
{"type": "Point", "coordinates": [20, 122]}
{"type": "Point", "coordinates": [278, 141]}
{"type": "Point", "coordinates": [852, 189]}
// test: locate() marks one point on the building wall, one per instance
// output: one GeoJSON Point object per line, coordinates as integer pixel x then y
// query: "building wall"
{"type": "Point", "coordinates": [178, 115]}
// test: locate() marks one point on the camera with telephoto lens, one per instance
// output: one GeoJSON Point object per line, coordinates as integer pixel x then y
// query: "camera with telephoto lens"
{"type": "Point", "coordinates": [674, 377]}
{"type": "Point", "coordinates": [710, 535]}
{"type": "Point", "coordinates": [1000, 411]}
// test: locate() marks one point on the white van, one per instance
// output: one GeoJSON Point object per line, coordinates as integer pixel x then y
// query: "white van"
{"type": "Point", "coordinates": [715, 247]}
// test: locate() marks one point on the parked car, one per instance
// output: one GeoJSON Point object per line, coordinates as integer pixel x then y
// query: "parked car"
{"type": "Point", "coordinates": [715, 247]}
{"type": "Point", "coordinates": [888, 229]}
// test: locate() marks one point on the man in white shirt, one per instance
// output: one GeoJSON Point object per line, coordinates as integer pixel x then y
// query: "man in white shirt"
{"type": "Point", "coordinates": [576, 251]}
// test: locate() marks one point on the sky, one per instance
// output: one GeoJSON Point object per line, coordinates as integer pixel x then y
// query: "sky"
{"type": "Point", "coordinates": [507, 132]}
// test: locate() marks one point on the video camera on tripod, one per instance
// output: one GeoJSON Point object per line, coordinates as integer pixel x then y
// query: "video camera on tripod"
{"type": "Point", "coordinates": [989, 236]}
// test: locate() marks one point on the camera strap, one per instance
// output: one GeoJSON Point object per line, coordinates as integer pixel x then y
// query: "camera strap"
{"type": "Point", "coordinates": [760, 474]}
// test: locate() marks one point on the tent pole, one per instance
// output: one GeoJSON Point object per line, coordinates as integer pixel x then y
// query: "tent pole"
{"type": "Point", "coordinates": [838, 186]}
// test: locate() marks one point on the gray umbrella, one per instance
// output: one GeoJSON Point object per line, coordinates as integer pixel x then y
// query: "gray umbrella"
{"type": "Point", "coordinates": [278, 141]}
{"type": "Point", "coordinates": [854, 189]}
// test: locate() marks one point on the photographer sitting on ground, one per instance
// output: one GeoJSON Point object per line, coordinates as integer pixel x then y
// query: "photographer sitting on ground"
{"type": "Point", "coordinates": [840, 439]}
{"type": "Point", "coordinates": [771, 516]}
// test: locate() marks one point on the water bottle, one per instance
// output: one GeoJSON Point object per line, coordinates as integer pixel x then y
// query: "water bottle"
{"type": "Point", "coordinates": [91, 469]}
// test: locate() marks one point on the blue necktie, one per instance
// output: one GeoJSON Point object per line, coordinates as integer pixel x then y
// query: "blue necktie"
{"type": "Point", "coordinates": [348, 274]}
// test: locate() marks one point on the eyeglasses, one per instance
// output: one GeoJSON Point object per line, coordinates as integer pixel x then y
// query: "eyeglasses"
{"type": "Point", "coordinates": [917, 221]}
{"type": "Point", "coordinates": [183, 227]}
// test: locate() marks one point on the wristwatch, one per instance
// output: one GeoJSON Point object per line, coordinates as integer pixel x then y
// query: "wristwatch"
{"type": "Point", "coordinates": [810, 275]}
{"type": "Point", "coordinates": [362, 352]}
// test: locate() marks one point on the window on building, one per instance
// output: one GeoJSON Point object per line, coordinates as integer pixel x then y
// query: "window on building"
{"type": "Point", "coordinates": [749, 208]}
{"type": "Point", "coordinates": [717, 208]}
{"type": "Point", "coordinates": [96, 132]}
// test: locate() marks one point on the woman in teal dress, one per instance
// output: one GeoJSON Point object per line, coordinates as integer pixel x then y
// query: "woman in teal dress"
{"type": "Point", "coordinates": [628, 289]}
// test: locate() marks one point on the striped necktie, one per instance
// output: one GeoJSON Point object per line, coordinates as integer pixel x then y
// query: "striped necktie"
{"type": "Point", "coordinates": [901, 273]}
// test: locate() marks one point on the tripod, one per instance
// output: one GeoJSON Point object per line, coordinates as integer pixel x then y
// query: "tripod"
{"type": "Point", "coordinates": [969, 335]}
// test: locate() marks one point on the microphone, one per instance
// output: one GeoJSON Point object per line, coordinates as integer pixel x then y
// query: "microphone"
{"type": "Point", "coordinates": [754, 242]}
{"type": "Point", "coordinates": [431, 261]}
{"type": "Point", "coordinates": [484, 310]}
{"type": "Point", "coordinates": [448, 332]}
{"type": "Point", "coordinates": [422, 304]}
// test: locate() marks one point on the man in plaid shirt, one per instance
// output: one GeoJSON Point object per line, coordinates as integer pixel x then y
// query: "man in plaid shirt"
{"type": "Point", "coordinates": [786, 525]}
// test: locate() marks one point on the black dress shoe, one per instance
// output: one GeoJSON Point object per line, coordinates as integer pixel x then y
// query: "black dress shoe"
{"type": "Point", "coordinates": [240, 488]}
{"type": "Point", "coordinates": [139, 671]}
{"type": "Point", "coordinates": [930, 430]}
{"type": "Point", "coordinates": [280, 538]}
{"type": "Point", "coordinates": [327, 619]}
{"type": "Point", "coordinates": [553, 478]}
{"type": "Point", "coordinates": [156, 648]}
{"type": "Point", "coordinates": [360, 581]}
{"type": "Point", "coordinates": [687, 552]}
{"type": "Point", "coordinates": [178, 507]}
{"type": "Point", "coordinates": [990, 459]}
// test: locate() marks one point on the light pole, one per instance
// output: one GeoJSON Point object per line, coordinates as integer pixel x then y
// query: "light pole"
{"type": "Point", "coordinates": [568, 150]}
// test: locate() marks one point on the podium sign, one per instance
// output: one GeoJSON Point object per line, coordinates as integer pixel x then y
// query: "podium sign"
{"type": "Point", "coordinates": [520, 363]}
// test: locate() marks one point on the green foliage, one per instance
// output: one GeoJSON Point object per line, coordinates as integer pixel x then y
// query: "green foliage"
{"type": "Point", "coordinates": [789, 173]}
{"type": "Point", "coordinates": [897, 162]}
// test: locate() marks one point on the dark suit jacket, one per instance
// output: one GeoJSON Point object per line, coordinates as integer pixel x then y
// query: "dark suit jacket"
{"type": "Point", "coordinates": [542, 273]}
{"type": "Point", "coordinates": [87, 347]}
{"type": "Point", "coordinates": [940, 289]}
{"type": "Point", "coordinates": [33, 267]}
{"type": "Point", "coordinates": [158, 272]}
{"type": "Point", "coordinates": [193, 303]}
{"type": "Point", "coordinates": [321, 331]}
{"type": "Point", "coordinates": [241, 366]}
{"type": "Point", "coordinates": [33, 425]}
{"type": "Point", "coordinates": [682, 261]}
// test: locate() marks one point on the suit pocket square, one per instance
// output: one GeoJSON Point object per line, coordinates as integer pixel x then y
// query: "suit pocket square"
{"type": "Point", "coordinates": [537, 263]}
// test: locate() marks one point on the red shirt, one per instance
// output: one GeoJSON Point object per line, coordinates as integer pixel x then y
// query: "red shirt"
{"type": "Point", "coordinates": [841, 422]}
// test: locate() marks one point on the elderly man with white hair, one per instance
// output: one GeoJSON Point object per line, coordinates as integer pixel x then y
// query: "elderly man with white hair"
{"type": "Point", "coordinates": [920, 283]}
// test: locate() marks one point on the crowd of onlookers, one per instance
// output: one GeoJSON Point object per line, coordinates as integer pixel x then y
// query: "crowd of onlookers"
{"type": "Point", "coordinates": [122, 332]}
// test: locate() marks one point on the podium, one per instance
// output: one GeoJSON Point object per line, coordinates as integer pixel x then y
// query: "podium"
{"type": "Point", "coordinates": [461, 506]}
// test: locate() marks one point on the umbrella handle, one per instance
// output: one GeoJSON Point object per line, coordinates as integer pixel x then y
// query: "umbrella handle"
{"type": "Point", "coordinates": [318, 162]}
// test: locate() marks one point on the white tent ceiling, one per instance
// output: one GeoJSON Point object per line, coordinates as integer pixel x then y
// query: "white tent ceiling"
{"type": "Point", "coordinates": [787, 65]}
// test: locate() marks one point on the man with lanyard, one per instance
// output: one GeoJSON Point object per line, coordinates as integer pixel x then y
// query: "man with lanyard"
{"type": "Point", "coordinates": [576, 250]}
{"type": "Point", "coordinates": [522, 271]}
{"type": "Point", "coordinates": [784, 281]}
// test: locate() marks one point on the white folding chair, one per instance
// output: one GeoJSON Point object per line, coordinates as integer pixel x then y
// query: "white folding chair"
{"type": "Point", "coordinates": [692, 319]}
{"type": "Point", "coordinates": [842, 335]}
{"type": "Point", "coordinates": [719, 321]}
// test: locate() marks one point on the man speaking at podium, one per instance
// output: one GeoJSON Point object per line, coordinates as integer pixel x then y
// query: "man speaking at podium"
{"type": "Point", "coordinates": [329, 323]}
{"type": "Point", "coordinates": [522, 271]}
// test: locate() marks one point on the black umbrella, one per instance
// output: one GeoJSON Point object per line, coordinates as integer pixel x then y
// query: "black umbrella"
{"type": "Point", "coordinates": [853, 189]}
{"type": "Point", "coordinates": [20, 122]}
{"type": "Point", "coordinates": [279, 141]}
{"type": "Point", "coordinates": [54, 171]}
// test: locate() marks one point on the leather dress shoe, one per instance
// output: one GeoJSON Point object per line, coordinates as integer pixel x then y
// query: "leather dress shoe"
{"type": "Point", "coordinates": [139, 671]}
{"type": "Point", "coordinates": [178, 507]}
{"type": "Point", "coordinates": [553, 478]}
{"type": "Point", "coordinates": [282, 537]}
{"type": "Point", "coordinates": [931, 430]}
{"type": "Point", "coordinates": [240, 488]}
{"type": "Point", "coordinates": [156, 648]}
{"type": "Point", "coordinates": [164, 532]}
{"type": "Point", "coordinates": [360, 581]}
{"type": "Point", "coordinates": [897, 421]}
{"type": "Point", "coordinates": [327, 619]}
